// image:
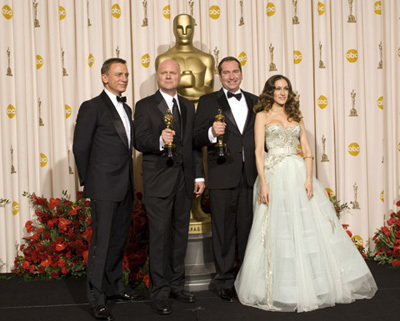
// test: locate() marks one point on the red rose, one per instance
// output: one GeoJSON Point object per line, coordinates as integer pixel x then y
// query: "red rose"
{"type": "Point", "coordinates": [79, 194]}
{"type": "Point", "coordinates": [29, 227]}
{"type": "Point", "coordinates": [146, 281]}
{"type": "Point", "coordinates": [64, 270]}
{"type": "Point", "coordinates": [87, 203]}
{"type": "Point", "coordinates": [54, 274]}
{"type": "Point", "coordinates": [386, 231]}
{"type": "Point", "coordinates": [61, 263]}
{"type": "Point", "coordinates": [50, 224]}
{"type": "Point", "coordinates": [32, 269]}
{"type": "Point", "coordinates": [85, 257]}
{"type": "Point", "coordinates": [398, 203]}
{"type": "Point", "coordinates": [396, 262]}
{"type": "Point", "coordinates": [40, 269]}
{"type": "Point", "coordinates": [87, 234]}
{"type": "Point", "coordinates": [38, 200]}
{"type": "Point", "coordinates": [46, 263]}
{"type": "Point", "coordinates": [25, 265]}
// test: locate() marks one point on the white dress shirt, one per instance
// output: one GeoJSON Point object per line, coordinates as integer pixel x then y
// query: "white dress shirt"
{"type": "Point", "coordinates": [122, 114]}
{"type": "Point", "coordinates": [239, 110]}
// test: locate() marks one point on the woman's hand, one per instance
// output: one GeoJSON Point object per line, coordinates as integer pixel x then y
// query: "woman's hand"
{"type": "Point", "coordinates": [263, 197]}
{"type": "Point", "coordinates": [309, 188]}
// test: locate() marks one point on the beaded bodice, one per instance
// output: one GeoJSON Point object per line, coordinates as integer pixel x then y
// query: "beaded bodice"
{"type": "Point", "coordinates": [281, 142]}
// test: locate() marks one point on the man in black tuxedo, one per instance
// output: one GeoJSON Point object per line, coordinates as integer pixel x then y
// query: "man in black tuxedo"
{"type": "Point", "coordinates": [230, 180]}
{"type": "Point", "coordinates": [102, 147]}
{"type": "Point", "coordinates": [169, 184]}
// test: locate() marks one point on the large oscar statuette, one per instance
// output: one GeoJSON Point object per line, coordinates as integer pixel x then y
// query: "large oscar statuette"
{"type": "Point", "coordinates": [169, 148]}
{"type": "Point", "coordinates": [220, 147]}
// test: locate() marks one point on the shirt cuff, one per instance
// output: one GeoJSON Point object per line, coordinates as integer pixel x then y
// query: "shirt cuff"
{"type": "Point", "coordinates": [211, 136]}
{"type": "Point", "coordinates": [161, 144]}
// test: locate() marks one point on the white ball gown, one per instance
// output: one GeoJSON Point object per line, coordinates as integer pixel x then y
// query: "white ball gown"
{"type": "Point", "coordinates": [298, 256]}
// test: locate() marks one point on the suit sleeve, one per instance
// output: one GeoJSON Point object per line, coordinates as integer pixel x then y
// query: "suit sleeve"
{"type": "Point", "coordinates": [83, 136]}
{"type": "Point", "coordinates": [203, 121]}
{"type": "Point", "coordinates": [147, 139]}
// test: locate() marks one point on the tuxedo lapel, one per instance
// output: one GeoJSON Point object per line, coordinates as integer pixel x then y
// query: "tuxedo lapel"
{"type": "Point", "coordinates": [226, 109]}
{"type": "Point", "coordinates": [161, 103]}
{"type": "Point", "coordinates": [128, 111]}
{"type": "Point", "coordinates": [183, 116]}
{"type": "Point", "coordinates": [250, 114]}
{"type": "Point", "coordinates": [116, 119]}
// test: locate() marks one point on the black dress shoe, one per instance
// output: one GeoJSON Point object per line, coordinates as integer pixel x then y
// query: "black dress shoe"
{"type": "Point", "coordinates": [183, 296]}
{"type": "Point", "coordinates": [162, 307]}
{"type": "Point", "coordinates": [126, 297]}
{"type": "Point", "coordinates": [227, 295]}
{"type": "Point", "coordinates": [101, 312]}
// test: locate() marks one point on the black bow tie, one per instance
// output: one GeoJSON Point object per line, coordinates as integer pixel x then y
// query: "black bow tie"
{"type": "Point", "coordinates": [238, 96]}
{"type": "Point", "coordinates": [121, 99]}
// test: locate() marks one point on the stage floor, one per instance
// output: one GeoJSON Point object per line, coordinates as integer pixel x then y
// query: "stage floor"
{"type": "Point", "coordinates": [65, 300]}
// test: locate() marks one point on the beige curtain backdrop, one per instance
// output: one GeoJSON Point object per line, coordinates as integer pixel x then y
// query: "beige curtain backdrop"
{"type": "Point", "coordinates": [342, 56]}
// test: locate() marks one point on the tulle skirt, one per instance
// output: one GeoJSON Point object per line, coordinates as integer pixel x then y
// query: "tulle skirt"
{"type": "Point", "coordinates": [298, 257]}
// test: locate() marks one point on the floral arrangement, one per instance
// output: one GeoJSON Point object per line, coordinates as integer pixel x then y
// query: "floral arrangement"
{"type": "Point", "coordinates": [387, 241]}
{"type": "Point", "coordinates": [59, 239]}
{"type": "Point", "coordinates": [341, 208]}
{"type": "Point", "coordinates": [136, 261]}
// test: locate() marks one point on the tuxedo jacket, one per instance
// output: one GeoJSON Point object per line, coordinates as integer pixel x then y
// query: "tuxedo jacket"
{"type": "Point", "coordinates": [158, 177]}
{"type": "Point", "coordinates": [226, 175]}
{"type": "Point", "coordinates": [102, 154]}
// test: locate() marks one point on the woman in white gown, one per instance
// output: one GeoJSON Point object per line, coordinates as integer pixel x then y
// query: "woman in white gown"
{"type": "Point", "coordinates": [298, 257]}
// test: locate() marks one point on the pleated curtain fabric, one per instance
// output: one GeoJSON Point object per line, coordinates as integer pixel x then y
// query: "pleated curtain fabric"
{"type": "Point", "coordinates": [343, 58]}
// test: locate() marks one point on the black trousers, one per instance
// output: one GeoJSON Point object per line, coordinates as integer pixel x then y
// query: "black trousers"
{"type": "Point", "coordinates": [110, 229]}
{"type": "Point", "coordinates": [169, 225]}
{"type": "Point", "coordinates": [231, 220]}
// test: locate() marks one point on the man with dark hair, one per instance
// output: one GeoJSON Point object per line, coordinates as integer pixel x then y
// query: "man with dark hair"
{"type": "Point", "coordinates": [230, 182]}
{"type": "Point", "coordinates": [102, 148]}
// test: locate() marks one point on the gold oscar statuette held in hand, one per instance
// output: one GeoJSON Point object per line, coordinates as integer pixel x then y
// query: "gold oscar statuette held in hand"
{"type": "Point", "coordinates": [220, 146]}
{"type": "Point", "coordinates": [169, 147]}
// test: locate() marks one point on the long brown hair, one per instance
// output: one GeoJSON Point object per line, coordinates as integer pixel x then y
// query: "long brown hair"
{"type": "Point", "coordinates": [266, 99]}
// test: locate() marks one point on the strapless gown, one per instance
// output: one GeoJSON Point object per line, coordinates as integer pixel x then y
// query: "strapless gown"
{"type": "Point", "coordinates": [298, 256]}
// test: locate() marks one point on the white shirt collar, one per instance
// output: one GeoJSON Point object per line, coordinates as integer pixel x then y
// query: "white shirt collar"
{"type": "Point", "coordinates": [226, 92]}
{"type": "Point", "coordinates": [168, 98]}
{"type": "Point", "coordinates": [112, 96]}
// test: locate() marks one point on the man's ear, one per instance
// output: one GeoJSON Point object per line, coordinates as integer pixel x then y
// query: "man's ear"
{"type": "Point", "coordinates": [104, 78]}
